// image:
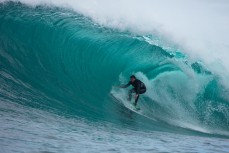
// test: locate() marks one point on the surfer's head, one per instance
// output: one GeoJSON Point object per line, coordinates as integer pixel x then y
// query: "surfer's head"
{"type": "Point", "coordinates": [132, 78]}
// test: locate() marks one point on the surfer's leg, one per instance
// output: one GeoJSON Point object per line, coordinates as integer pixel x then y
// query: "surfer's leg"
{"type": "Point", "coordinates": [136, 101]}
{"type": "Point", "coordinates": [130, 94]}
{"type": "Point", "coordinates": [141, 92]}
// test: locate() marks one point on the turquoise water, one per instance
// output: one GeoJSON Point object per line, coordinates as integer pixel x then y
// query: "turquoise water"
{"type": "Point", "coordinates": [58, 69]}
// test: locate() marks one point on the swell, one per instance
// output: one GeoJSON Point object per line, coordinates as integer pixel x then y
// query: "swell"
{"type": "Point", "coordinates": [58, 60]}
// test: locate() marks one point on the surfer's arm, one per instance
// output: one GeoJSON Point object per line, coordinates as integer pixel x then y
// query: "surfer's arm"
{"type": "Point", "coordinates": [125, 86]}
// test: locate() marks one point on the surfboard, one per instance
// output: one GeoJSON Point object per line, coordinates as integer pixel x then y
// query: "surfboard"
{"type": "Point", "coordinates": [137, 108]}
{"type": "Point", "coordinates": [128, 104]}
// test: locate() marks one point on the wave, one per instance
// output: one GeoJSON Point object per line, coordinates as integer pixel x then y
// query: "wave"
{"type": "Point", "coordinates": [55, 59]}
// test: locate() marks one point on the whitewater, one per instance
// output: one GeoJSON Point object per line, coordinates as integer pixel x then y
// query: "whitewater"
{"type": "Point", "coordinates": [60, 63]}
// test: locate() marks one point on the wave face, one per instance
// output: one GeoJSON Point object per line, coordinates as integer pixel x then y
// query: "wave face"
{"type": "Point", "coordinates": [56, 60]}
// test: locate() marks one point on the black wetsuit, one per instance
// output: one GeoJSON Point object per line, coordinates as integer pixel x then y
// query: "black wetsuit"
{"type": "Point", "coordinates": [139, 88]}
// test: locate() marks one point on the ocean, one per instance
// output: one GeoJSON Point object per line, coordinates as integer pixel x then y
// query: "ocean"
{"type": "Point", "coordinates": [60, 63]}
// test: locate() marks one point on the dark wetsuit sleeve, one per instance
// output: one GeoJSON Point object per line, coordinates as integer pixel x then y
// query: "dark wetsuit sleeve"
{"type": "Point", "coordinates": [127, 85]}
{"type": "Point", "coordinates": [138, 87]}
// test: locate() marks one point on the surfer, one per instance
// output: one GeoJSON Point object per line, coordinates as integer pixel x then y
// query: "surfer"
{"type": "Point", "coordinates": [139, 88]}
